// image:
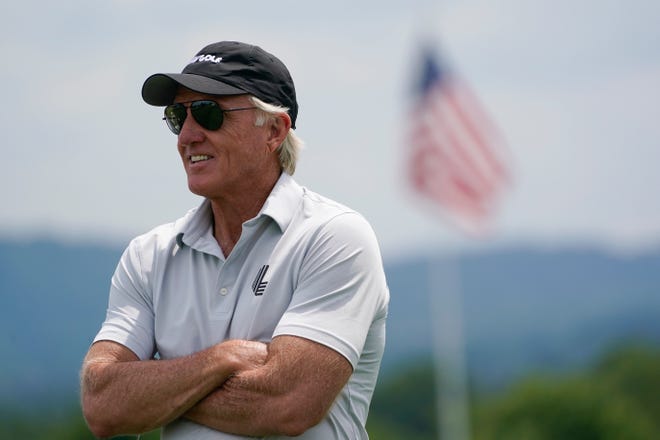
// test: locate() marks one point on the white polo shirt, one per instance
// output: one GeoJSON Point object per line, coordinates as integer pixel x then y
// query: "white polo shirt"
{"type": "Point", "coordinates": [304, 266]}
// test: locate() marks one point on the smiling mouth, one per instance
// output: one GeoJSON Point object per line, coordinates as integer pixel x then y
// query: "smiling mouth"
{"type": "Point", "coordinates": [199, 158]}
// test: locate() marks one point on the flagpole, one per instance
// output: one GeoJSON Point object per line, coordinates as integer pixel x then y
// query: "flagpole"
{"type": "Point", "coordinates": [455, 160]}
{"type": "Point", "coordinates": [452, 403]}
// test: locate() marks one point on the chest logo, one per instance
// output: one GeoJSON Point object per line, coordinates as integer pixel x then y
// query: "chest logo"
{"type": "Point", "coordinates": [259, 285]}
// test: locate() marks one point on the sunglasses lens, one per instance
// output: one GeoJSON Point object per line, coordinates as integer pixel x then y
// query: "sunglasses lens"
{"type": "Point", "coordinates": [175, 116]}
{"type": "Point", "coordinates": [207, 114]}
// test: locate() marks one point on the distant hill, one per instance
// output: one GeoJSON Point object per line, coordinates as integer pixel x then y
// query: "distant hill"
{"type": "Point", "coordinates": [525, 309]}
{"type": "Point", "coordinates": [53, 298]}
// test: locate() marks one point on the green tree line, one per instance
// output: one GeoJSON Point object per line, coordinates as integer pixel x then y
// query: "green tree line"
{"type": "Point", "coordinates": [618, 398]}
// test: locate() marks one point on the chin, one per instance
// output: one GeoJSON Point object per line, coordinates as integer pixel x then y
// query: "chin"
{"type": "Point", "coordinates": [206, 189]}
{"type": "Point", "coordinates": [200, 190]}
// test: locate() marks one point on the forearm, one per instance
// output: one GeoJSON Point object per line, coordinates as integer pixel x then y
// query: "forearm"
{"type": "Point", "coordinates": [132, 396]}
{"type": "Point", "coordinates": [245, 404]}
{"type": "Point", "coordinates": [291, 392]}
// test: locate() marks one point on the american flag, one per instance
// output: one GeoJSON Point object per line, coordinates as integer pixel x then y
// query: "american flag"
{"type": "Point", "coordinates": [455, 157]}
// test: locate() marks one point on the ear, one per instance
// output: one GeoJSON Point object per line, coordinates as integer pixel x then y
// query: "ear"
{"type": "Point", "coordinates": [278, 128]}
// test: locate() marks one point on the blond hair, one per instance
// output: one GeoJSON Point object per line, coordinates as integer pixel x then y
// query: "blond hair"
{"type": "Point", "coordinates": [290, 148]}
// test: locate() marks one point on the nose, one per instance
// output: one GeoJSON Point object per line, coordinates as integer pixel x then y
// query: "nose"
{"type": "Point", "coordinates": [191, 131]}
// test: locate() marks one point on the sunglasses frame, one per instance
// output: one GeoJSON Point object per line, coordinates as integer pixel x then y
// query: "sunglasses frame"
{"type": "Point", "coordinates": [208, 117]}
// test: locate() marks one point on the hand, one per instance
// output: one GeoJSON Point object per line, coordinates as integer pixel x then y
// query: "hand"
{"type": "Point", "coordinates": [243, 355]}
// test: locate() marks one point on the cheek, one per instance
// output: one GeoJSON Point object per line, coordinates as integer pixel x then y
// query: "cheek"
{"type": "Point", "coordinates": [184, 162]}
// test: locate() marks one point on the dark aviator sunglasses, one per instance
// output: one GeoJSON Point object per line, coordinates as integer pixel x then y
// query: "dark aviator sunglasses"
{"type": "Point", "coordinates": [207, 113]}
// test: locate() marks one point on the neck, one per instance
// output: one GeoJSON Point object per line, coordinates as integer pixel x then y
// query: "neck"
{"type": "Point", "coordinates": [230, 212]}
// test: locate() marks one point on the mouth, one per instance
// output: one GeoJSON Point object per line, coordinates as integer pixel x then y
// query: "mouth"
{"type": "Point", "coordinates": [198, 158]}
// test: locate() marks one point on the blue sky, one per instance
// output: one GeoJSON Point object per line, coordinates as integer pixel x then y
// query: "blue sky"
{"type": "Point", "coordinates": [574, 87]}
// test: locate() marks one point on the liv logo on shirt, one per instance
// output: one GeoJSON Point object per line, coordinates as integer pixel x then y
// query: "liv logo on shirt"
{"type": "Point", "coordinates": [259, 285]}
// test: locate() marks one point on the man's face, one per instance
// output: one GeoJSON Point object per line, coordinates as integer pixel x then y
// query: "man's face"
{"type": "Point", "coordinates": [228, 161]}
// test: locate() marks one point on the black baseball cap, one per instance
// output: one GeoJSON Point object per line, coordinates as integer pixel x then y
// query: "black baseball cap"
{"type": "Point", "coordinates": [228, 68]}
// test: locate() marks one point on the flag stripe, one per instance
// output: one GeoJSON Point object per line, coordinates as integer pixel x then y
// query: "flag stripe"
{"type": "Point", "coordinates": [449, 140]}
{"type": "Point", "coordinates": [434, 179]}
{"type": "Point", "coordinates": [460, 147]}
{"type": "Point", "coordinates": [478, 127]}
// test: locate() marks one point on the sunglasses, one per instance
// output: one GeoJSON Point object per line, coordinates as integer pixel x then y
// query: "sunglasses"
{"type": "Point", "coordinates": [207, 113]}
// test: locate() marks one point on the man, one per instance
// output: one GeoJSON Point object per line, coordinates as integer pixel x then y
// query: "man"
{"type": "Point", "coordinates": [260, 313]}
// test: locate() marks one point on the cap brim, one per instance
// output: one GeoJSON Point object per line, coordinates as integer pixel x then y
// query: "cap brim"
{"type": "Point", "coordinates": [159, 89]}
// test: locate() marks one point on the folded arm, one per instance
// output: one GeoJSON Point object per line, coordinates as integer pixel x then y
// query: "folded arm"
{"type": "Point", "coordinates": [289, 394]}
{"type": "Point", "coordinates": [122, 394]}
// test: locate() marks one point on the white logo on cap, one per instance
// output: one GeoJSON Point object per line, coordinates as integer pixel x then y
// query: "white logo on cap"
{"type": "Point", "coordinates": [203, 58]}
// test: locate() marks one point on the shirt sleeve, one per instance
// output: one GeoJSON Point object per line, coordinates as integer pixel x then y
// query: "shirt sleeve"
{"type": "Point", "coordinates": [341, 290]}
{"type": "Point", "coordinates": [130, 316]}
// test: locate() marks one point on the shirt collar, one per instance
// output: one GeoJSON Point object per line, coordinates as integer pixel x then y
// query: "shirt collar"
{"type": "Point", "coordinates": [282, 202]}
{"type": "Point", "coordinates": [195, 228]}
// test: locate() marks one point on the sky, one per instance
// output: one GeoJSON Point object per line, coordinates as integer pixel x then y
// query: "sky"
{"type": "Point", "coordinates": [573, 86]}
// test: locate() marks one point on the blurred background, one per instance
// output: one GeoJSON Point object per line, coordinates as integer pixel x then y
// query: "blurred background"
{"type": "Point", "coordinates": [559, 300]}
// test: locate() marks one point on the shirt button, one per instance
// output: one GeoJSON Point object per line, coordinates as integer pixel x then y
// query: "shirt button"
{"type": "Point", "coordinates": [224, 291]}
